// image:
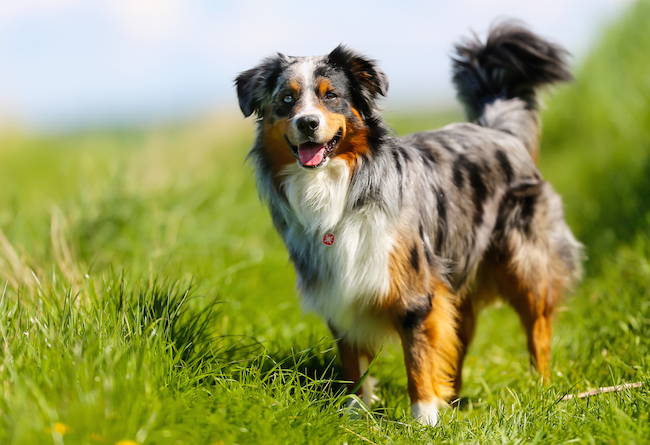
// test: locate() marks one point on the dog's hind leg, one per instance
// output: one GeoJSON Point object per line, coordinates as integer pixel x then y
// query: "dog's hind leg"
{"type": "Point", "coordinates": [466, 328]}
{"type": "Point", "coordinates": [540, 261]}
{"type": "Point", "coordinates": [470, 305]}
{"type": "Point", "coordinates": [534, 303]}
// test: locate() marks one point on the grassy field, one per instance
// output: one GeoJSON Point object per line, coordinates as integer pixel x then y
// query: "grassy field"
{"type": "Point", "coordinates": [146, 299]}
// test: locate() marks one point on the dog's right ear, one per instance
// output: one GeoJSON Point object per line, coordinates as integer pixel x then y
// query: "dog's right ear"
{"type": "Point", "coordinates": [256, 84]}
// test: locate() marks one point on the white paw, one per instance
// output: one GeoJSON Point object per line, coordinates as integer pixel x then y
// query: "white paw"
{"type": "Point", "coordinates": [369, 396]}
{"type": "Point", "coordinates": [369, 384]}
{"type": "Point", "coordinates": [427, 413]}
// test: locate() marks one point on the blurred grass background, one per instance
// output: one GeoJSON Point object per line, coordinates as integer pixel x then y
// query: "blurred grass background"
{"type": "Point", "coordinates": [146, 297]}
{"type": "Point", "coordinates": [596, 139]}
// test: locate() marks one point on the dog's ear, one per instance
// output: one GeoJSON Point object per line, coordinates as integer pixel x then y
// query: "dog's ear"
{"type": "Point", "coordinates": [256, 84]}
{"type": "Point", "coordinates": [367, 81]}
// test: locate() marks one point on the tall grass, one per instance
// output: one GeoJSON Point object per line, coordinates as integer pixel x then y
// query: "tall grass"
{"type": "Point", "coordinates": [145, 297]}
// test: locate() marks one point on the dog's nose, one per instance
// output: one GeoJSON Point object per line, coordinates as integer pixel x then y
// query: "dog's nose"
{"type": "Point", "coordinates": [307, 124]}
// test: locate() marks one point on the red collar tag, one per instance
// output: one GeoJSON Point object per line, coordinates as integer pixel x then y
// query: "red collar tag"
{"type": "Point", "coordinates": [328, 239]}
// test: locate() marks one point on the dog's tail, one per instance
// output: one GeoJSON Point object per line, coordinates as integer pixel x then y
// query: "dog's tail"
{"type": "Point", "coordinates": [497, 80]}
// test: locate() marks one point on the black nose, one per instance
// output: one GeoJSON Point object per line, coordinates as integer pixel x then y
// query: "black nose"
{"type": "Point", "coordinates": [308, 124]}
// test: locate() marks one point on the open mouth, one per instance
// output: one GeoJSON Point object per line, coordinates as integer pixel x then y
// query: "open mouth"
{"type": "Point", "coordinates": [311, 154]}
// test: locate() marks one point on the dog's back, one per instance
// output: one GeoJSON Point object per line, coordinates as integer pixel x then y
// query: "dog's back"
{"type": "Point", "coordinates": [477, 183]}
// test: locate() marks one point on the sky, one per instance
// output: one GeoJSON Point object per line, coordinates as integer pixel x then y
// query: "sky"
{"type": "Point", "coordinates": [68, 64]}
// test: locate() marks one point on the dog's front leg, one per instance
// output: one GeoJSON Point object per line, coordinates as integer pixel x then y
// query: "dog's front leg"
{"type": "Point", "coordinates": [430, 344]}
{"type": "Point", "coordinates": [354, 363]}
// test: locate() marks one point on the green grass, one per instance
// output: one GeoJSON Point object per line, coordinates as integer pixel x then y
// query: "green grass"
{"type": "Point", "coordinates": [145, 297]}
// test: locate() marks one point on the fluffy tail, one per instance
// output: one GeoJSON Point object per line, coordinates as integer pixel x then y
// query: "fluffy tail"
{"type": "Point", "coordinates": [497, 81]}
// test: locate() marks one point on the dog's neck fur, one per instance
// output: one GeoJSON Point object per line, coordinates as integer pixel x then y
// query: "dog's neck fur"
{"type": "Point", "coordinates": [317, 197]}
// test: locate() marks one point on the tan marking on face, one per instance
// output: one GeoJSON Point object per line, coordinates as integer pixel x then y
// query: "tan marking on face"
{"type": "Point", "coordinates": [323, 86]}
{"type": "Point", "coordinates": [294, 86]}
{"type": "Point", "coordinates": [354, 140]}
{"type": "Point", "coordinates": [332, 124]}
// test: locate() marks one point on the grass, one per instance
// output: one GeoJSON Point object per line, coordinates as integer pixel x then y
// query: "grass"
{"type": "Point", "coordinates": [145, 297]}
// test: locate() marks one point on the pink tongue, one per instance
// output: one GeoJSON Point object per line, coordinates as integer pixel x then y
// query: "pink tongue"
{"type": "Point", "coordinates": [311, 154]}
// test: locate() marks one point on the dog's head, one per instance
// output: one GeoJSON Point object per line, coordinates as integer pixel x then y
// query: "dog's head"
{"type": "Point", "coordinates": [311, 108]}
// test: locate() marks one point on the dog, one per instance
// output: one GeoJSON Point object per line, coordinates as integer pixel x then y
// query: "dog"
{"type": "Point", "coordinates": [410, 236]}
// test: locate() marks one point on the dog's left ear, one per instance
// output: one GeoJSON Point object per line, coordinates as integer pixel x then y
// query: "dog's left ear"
{"type": "Point", "coordinates": [256, 84]}
{"type": "Point", "coordinates": [366, 79]}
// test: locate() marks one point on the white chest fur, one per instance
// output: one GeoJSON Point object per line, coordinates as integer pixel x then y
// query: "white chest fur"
{"type": "Point", "coordinates": [317, 196]}
{"type": "Point", "coordinates": [357, 261]}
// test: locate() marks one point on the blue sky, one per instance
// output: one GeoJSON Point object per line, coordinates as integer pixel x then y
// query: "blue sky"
{"type": "Point", "coordinates": [74, 63]}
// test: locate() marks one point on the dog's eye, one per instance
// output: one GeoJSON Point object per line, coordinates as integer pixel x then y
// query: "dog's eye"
{"type": "Point", "coordinates": [330, 95]}
{"type": "Point", "coordinates": [288, 99]}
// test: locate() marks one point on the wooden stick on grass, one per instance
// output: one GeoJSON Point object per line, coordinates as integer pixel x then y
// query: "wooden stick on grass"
{"type": "Point", "coordinates": [595, 392]}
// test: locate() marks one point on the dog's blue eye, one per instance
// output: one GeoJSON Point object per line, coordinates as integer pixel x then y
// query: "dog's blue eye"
{"type": "Point", "coordinates": [287, 99]}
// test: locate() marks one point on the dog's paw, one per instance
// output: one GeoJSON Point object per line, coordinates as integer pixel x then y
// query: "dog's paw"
{"type": "Point", "coordinates": [369, 395]}
{"type": "Point", "coordinates": [427, 413]}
